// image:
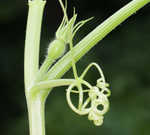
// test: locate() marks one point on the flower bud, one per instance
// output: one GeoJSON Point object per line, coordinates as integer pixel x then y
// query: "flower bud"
{"type": "Point", "coordinates": [56, 49]}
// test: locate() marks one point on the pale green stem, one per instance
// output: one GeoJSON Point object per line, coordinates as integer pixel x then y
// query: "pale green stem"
{"type": "Point", "coordinates": [32, 41]}
{"type": "Point", "coordinates": [35, 104]}
{"type": "Point", "coordinates": [36, 116]}
{"type": "Point", "coordinates": [48, 85]}
{"type": "Point", "coordinates": [64, 64]}
{"type": "Point", "coordinates": [44, 69]}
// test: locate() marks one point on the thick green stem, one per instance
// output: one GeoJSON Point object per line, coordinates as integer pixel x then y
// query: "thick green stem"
{"type": "Point", "coordinates": [45, 87]}
{"type": "Point", "coordinates": [52, 83]}
{"type": "Point", "coordinates": [36, 116]}
{"type": "Point", "coordinates": [35, 105]}
{"type": "Point", "coordinates": [32, 42]}
{"type": "Point", "coordinates": [64, 64]}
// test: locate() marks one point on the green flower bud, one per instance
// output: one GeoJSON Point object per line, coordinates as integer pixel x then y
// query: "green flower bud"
{"type": "Point", "coordinates": [56, 49]}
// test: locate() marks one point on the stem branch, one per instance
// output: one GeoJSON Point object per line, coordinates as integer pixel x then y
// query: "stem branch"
{"type": "Point", "coordinates": [64, 64]}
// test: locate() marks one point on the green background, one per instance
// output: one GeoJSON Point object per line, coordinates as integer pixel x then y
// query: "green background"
{"type": "Point", "coordinates": [123, 55]}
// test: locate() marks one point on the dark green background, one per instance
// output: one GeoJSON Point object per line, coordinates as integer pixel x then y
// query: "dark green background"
{"type": "Point", "coordinates": [124, 56]}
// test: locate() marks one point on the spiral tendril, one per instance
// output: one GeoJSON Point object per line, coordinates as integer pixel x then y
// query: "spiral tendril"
{"type": "Point", "coordinates": [97, 96]}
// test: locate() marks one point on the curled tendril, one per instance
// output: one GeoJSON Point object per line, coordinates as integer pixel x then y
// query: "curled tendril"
{"type": "Point", "coordinates": [98, 99]}
{"type": "Point", "coordinates": [97, 96]}
{"type": "Point", "coordinates": [81, 110]}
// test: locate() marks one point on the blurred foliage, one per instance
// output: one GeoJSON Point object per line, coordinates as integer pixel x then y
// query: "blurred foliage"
{"type": "Point", "coordinates": [124, 56]}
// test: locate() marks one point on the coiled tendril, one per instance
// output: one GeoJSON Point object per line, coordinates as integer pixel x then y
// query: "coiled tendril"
{"type": "Point", "coordinates": [97, 96]}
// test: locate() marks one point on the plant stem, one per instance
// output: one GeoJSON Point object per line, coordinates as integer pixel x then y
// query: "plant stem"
{"type": "Point", "coordinates": [32, 43]}
{"type": "Point", "coordinates": [44, 69]}
{"type": "Point", "coordinates": [52, 83]}
{"type": "Point", "coordinates": [36, 112]}
{"type": "Point", "coordinates": [64, 64]}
